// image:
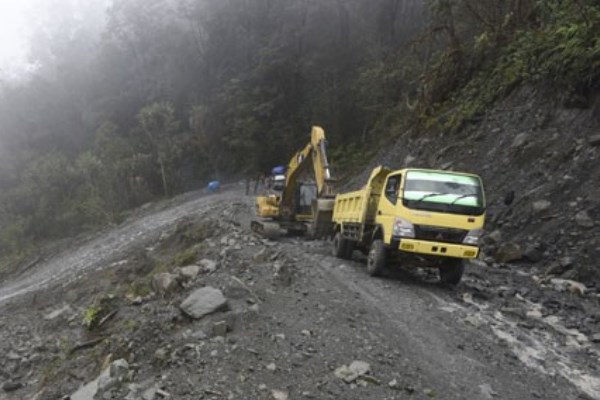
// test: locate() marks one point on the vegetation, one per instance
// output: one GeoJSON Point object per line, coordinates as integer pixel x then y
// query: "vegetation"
{"type": "Point", "coordinates": [164, 96]}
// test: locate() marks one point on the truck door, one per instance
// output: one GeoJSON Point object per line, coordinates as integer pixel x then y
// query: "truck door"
{"type": "Point", "coordinates": [386, 212]}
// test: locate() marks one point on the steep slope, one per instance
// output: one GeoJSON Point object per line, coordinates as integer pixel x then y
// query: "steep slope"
{"type": "Point", "coordinates": [534, 146]}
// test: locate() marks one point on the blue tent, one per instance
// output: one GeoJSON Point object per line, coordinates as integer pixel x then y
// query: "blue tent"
{"type": "Point", "coordinates": [213, 186]}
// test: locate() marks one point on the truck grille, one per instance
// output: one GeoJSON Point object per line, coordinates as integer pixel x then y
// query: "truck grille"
{"type": "Point", "coordinates": [437, 234]}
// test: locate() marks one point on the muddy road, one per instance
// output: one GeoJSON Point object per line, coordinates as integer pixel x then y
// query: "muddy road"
{"type": "Point", "coordinates": [484, 339]}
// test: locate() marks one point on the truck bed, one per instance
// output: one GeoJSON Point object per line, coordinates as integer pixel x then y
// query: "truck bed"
{"type": "Point", "coordinates": [355, 207]}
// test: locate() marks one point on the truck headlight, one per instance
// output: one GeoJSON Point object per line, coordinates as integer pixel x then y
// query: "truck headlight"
{"type": "Point", "coordinates": [473, 237]}
{"type": "Point", "coordinates": [403, 228]}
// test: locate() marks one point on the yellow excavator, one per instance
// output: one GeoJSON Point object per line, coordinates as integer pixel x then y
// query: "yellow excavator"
{"type": "Point", "coordinates": [304, 200]}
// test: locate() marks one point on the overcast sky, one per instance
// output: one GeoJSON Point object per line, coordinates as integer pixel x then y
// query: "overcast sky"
{"type": "Point", "coordinates": [13, 30]}
{"type": "Point", "coordinates": [19, 18]}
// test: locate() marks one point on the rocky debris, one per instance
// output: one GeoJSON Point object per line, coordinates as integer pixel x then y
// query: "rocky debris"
{"type": "Point", "coordinates": [565, 285]}
{"type": "Point", "coordinates": [559, 267]}
{"type": "Point", "coordinates": [594, 140]}
{"type": "Point", "coordinates": [352, 372]}
{"type": "Point", "coordinates": [280, 394]}
{"type": "Point", "coordinates": [541, 206]}
{"type": "Point", "coordinates": [220, 328]}
{"type": "Point", "coordinates": [87, 392]}
{"type": "Point", "coordinates": [117, 373]}
{"type": "Point", "coordinates": [190, 272]}
{"type": "Point", "coordinates": [208, 265]}
{"type": "Point", "coordinates": [165, 283]}
{"type": "Point", "coordinates": [520, 140]}
{"type": "Point", "coordinates": [508, 252]}
{"type": "Point", "coordinates": [487, 392]}
{"type": "Point", "coordinates": [11, 386]}
{"type": "Point", "coordinates": [494, 237]}
{"type": "Point", "coordinates": [203, 301]}
{"type": "Point", "coordinates": [583, 219]}
{"type": "Point", "coordinates": [533, 253]}
{"type": "Point", "coordinates": [58, 312]}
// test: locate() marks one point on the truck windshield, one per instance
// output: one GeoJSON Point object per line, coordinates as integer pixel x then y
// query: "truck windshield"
{"type": "Point", "coordinates": [443, 192]}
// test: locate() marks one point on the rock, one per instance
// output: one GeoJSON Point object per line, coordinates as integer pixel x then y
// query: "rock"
{"type": "Point", "coordinates": [160, 354]}
{"type": "Point", "coordinates": [533, 254]}
{"type": "Point", "coordinates": [105, 383]}
{"type": "Point", "coordinates": [220, 328]}
{"type": "Point", "coordinates": [583, 219]}
{"type": "Point", "coordinates": [118, 369]}
{"type": "Point", "coordinates": [487, 392]}
{"type": "Point", "coordinates": [565, 285]}
{"type": "Point", "coordinates": [279, 394]}
{"type": "Point", "coordinates": [596, 338]}
{"type": "Point", "coordinates": [203, 301]}
{"type": "Point", "coordinates": [508, 252]}
{"type": "Point", "coordinates": [520, 140]}
{"type": "Point", "coordinates": [571, 275]}
{"type": "Point", "coordinates": [494, 237]}
{"type": "Point", "coordinates": [88, 391]}
{"type": "Point", "coordinates": [261, 255]}
{"type": "Point", "coordinates": [353, 371]}
{"type": "Point", "coordinates": [190, 272]}
{"type": "Point", "coordinates": [272, 367]}
{"type": "Point", "coordinates": [164, 283]}
{"type": "Point", "coordinates": [208, 265]}
{"type": "Point", "coordinates": [11, 386]}
{"type": "Point", "coordinates": [393, 384]}
{"type": "Point", "coordinates": [541, 206]}
{"type": "Point", "coordinates": [594, 140]}
{"type": "Point", "coordinates": [57, 313]}
{"type": "Point", "coordinates": [555, 268]}
{"type": "Point", "coordinates": [408, 160]}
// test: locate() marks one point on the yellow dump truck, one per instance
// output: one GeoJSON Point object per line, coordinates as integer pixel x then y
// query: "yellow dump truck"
{"type": "Point", "coordinates": [436, 215]}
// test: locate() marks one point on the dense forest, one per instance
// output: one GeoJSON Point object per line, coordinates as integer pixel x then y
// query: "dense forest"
{"type": "Point", "coordinates": [159, 96]}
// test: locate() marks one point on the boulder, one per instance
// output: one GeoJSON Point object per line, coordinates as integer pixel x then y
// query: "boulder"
{"type": "Point", "coordinates": [594, 140]}
{"type": "Point", "coordinates": [164, 283]}
{"type": "Point", "coordinates": [508, 252]}
{"type": "Point", "coordinates": [350, 373]}
{"type": "Point", "coordinates": [190, 272]}
{"type": "Point", "coordinates": [583, 219]}
{"type": "Point", "coordinates": [541, 206]}
{"type": "Point", "coordinates": [208, 265]}
{"type": "Point", "coordinates": [203, 301]}
{"type": "Point", "coordinates": [565, 285]}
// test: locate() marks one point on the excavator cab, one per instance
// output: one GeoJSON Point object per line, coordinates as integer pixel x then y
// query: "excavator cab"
{"type": "Point", "coordinates": [306, 194]}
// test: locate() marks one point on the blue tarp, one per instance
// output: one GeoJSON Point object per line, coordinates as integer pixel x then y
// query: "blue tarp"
{"type": "Point", "coordinates": [214, 186]}
{"type": "Point", "coordinates": [278, 170]}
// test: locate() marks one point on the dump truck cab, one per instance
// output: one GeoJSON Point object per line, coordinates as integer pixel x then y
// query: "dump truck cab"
{"type": "Point", "coordinates": [438, 215]}
{"type": "Point", "coordinates": [432, 212]}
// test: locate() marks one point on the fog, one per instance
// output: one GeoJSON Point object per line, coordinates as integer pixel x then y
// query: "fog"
{"type": "Point", "coordinates": [23, 22]}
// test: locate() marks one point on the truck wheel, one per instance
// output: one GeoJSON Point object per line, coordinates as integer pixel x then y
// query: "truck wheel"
{"type": "Point", "coordinates": [376, 258]}
{"type": "Point", "coordinates": [349, 249]}
{"type": "Point", "coordinates": [340, 246]}
{"type": "Point", "coordinates": [452, 271]}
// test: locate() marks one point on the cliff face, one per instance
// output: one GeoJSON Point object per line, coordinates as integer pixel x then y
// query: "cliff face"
{"type": "Point", "coordinates": [545, 152]}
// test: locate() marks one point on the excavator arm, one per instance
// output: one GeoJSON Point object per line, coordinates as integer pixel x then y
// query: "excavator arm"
{"type": "Point", "coordinates": [315, 155]}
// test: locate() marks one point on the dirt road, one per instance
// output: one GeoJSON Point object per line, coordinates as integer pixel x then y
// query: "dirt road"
{"type": "Point", "coordinates": [310, 314]}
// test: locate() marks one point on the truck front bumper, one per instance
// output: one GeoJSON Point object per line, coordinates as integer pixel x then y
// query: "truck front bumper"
{"type": "Point", "coordinates": [438, 249]}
